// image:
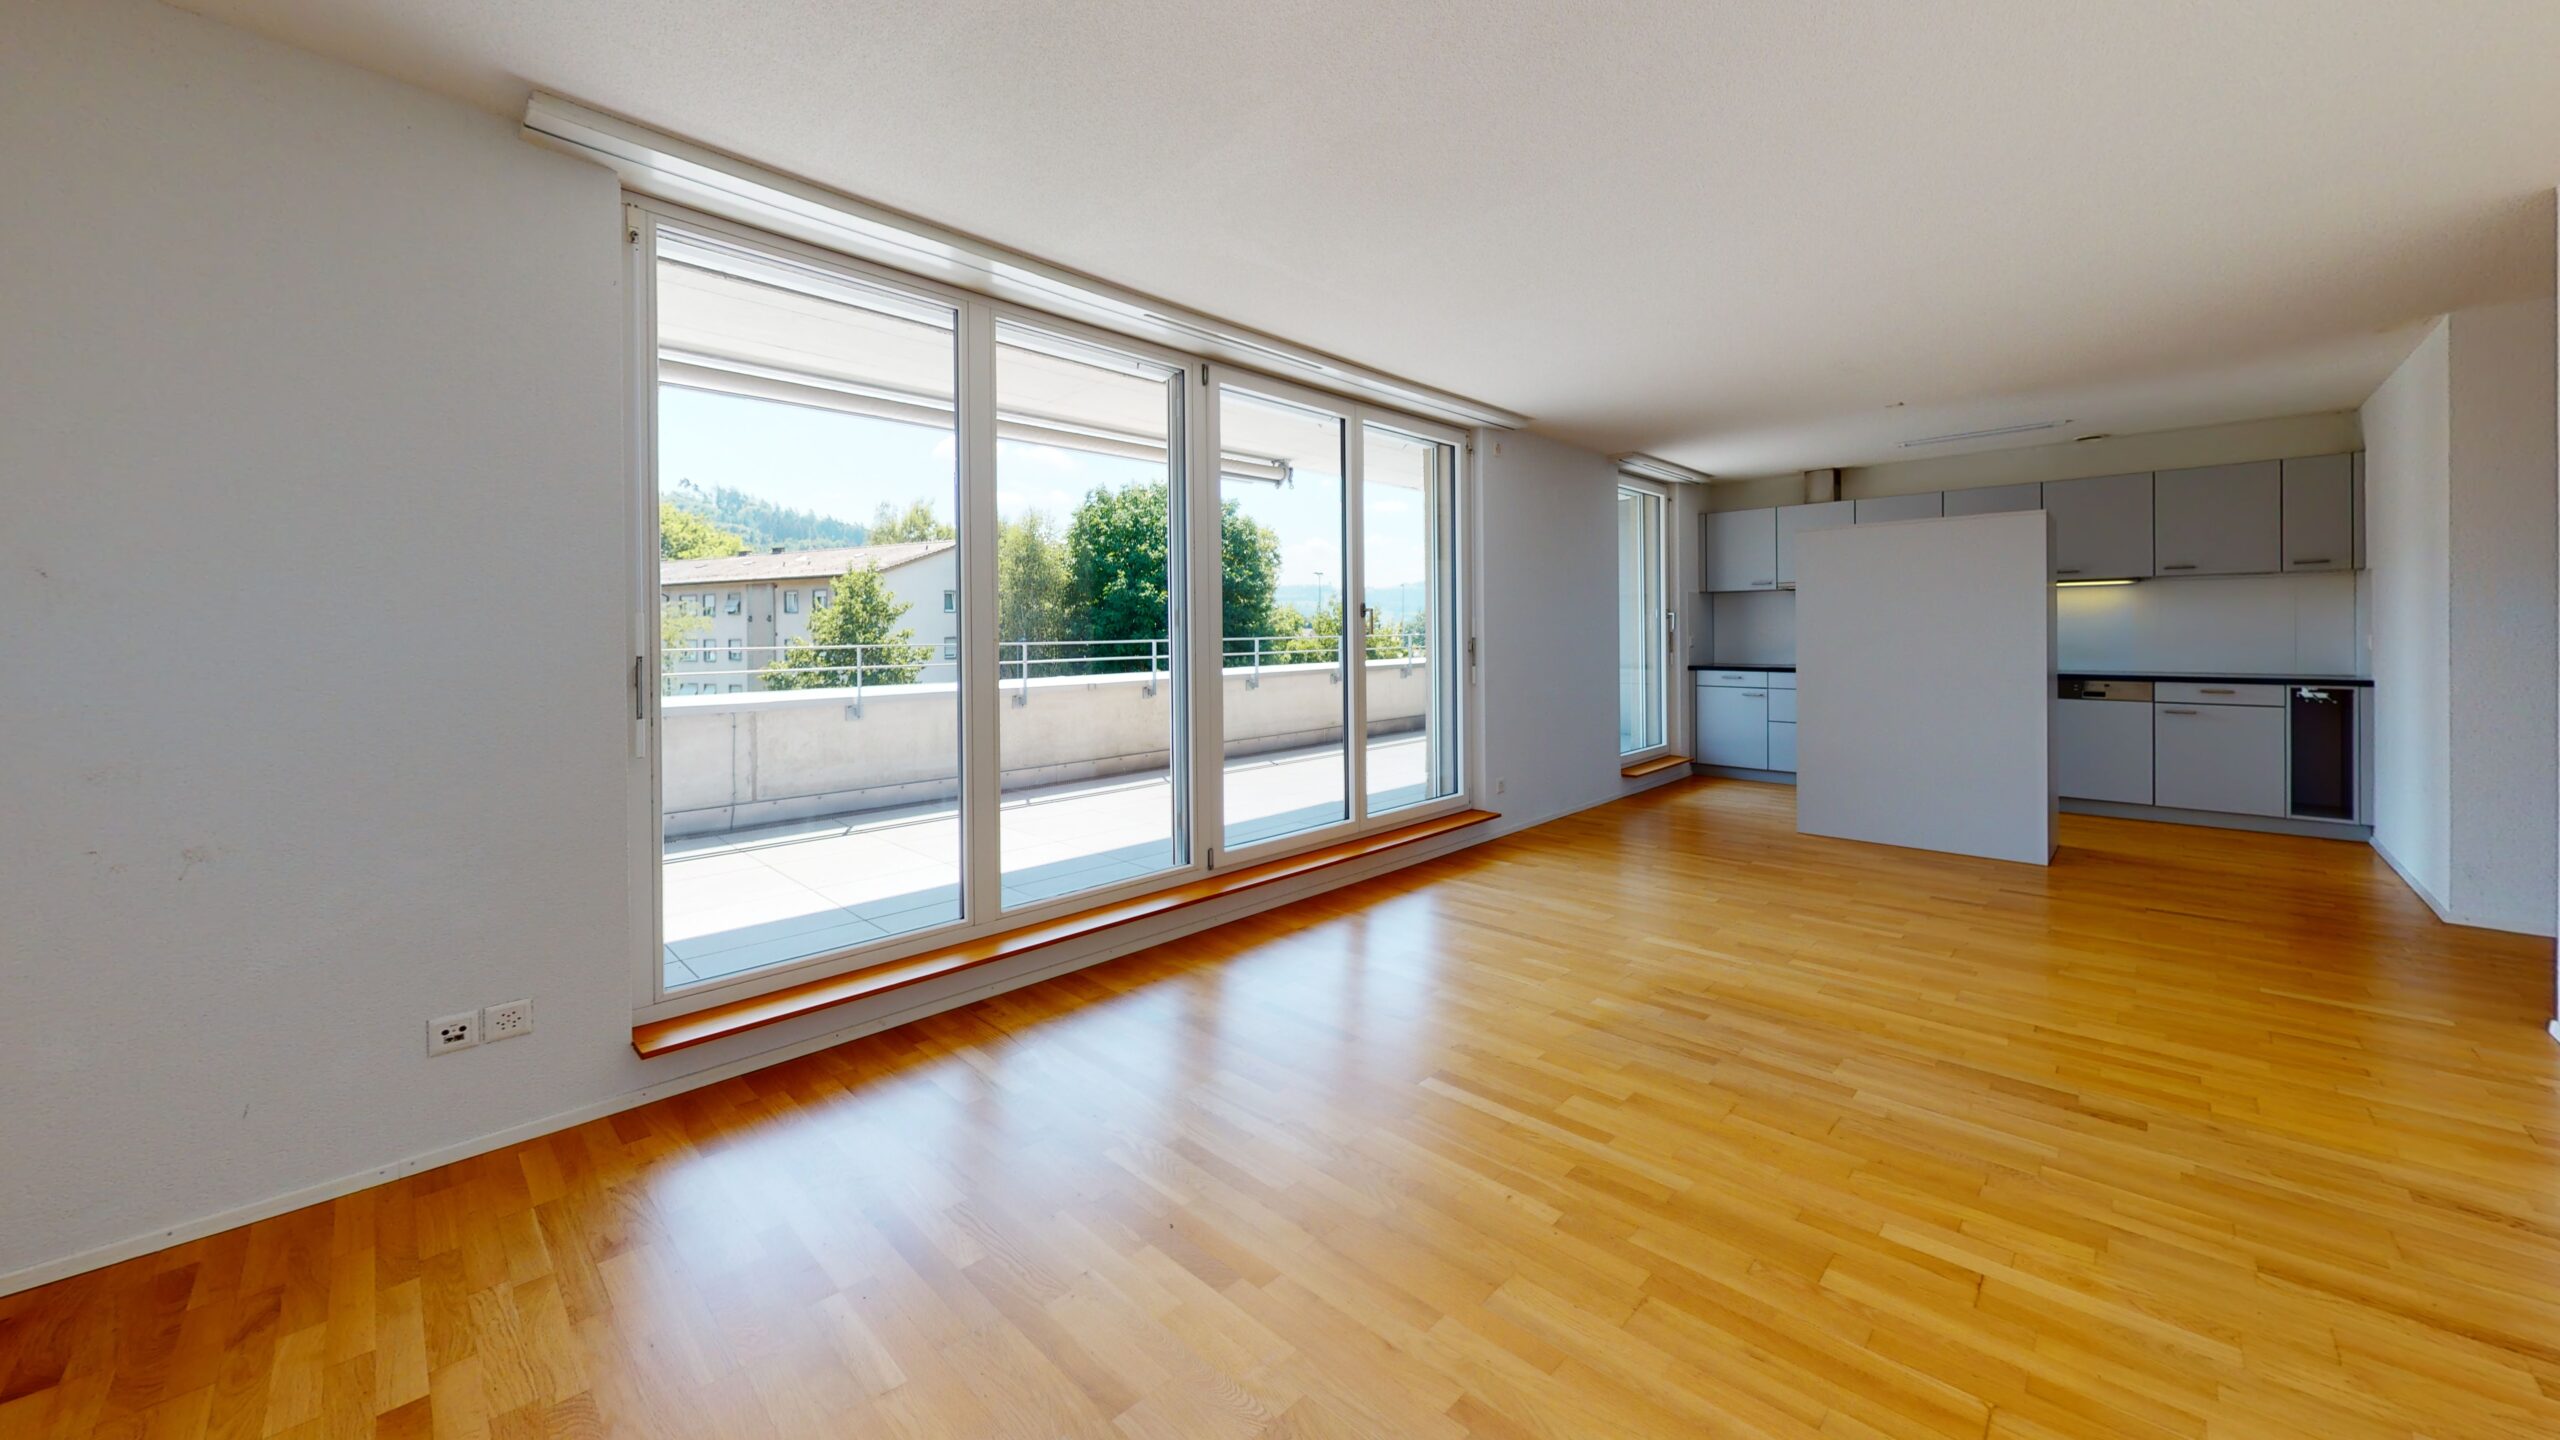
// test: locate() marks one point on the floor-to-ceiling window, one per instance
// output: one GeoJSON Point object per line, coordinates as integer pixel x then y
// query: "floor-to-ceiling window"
{"type": "Point", "coordinates": [1643, 622]}
{"type": "Point", "coordinates": [810, 753]}
{"type": "Point", "coordinates": [929, 579]}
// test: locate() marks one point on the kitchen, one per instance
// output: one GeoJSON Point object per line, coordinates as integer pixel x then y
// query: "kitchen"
{"type": "Point", "coordinates": [2210, 664]}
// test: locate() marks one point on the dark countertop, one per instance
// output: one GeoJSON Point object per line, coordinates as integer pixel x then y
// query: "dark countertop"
{"type": "Point", "coordinates": [2187, 677]}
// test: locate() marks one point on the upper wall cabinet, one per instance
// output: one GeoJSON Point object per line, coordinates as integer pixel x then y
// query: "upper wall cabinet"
{"type": "Point", "coordinates": [2221, 519]}
{"type": "Point", "coordinates": [2320, 513]}
{"type": "Point", "coordinates": [1742, 549]}
{"type": "Point", "coordinates": [1901, 507]}
{"type": "Point", "coordinates": [1794, 518]}
{"type": "Point", "coordinates": [2101, 527]}
{"type": "Point", "coordinates": [1995, 499]}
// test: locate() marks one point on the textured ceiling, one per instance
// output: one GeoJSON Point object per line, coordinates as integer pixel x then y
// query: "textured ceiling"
{"type": "Point", "coordinates": [1751, 237]}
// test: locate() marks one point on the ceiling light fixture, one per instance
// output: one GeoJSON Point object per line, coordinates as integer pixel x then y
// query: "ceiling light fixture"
{"type": "Point", "coordinates": [1986, 434]}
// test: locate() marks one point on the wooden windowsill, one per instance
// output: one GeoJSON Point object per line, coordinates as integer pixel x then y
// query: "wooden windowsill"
{"type": "Point", "coordinates": [1654, 766]}
{"type": "Point", "coordinates": [660, 1037]}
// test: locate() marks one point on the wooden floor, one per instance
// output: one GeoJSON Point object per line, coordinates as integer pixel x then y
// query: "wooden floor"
{"type": "Point", "coordinates": [1660, 1121]}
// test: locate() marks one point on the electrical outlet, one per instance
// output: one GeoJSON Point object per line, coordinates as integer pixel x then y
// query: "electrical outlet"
{"type": "Point", "coordinates": [1501, 785]}
{"type": "Point", "coordinates": [453, 1032]}
{"type": "Point", "coordinates": [510, 1019]}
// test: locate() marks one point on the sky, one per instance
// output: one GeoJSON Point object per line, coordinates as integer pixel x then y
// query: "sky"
{"type": "Point", "coordinates": [848, 465]}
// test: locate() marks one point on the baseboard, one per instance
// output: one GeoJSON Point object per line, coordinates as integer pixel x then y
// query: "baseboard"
{"type": "Point", "coordinates": [996, 981]}
{"type": "Point", "coordinates": [2421, 891]}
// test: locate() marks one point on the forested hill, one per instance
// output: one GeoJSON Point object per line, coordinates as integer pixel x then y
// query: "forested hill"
{"type": "Point", "coordinates": [763, 524]}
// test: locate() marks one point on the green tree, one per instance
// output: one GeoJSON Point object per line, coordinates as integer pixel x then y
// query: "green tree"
{"type": "Point", "coordinates": [1116, 569]}
{"type": "Point", "coordinates": [684, 535]}
{"type": "Point", "coordinates": [892, 526]}
{"type": "Point", "coordinates": [1249, 573]}
{"type": "Point", "coordinates": [864, 614]}
{"type": "Point", "coordinates": [1034, 599]}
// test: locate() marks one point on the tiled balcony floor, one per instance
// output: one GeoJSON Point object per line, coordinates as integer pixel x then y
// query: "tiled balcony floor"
{"type": "Point", "coordinates": [746, 899]}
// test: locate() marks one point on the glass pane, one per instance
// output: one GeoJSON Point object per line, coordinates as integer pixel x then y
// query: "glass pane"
{"type": "Point", "coordinates": [1405, 488]}
{"type": "Point", "coordinates": [1640, 642]}
{"type": "Point", "coordinates": [1281, 508]}
{"type": "Point", "coordinates": [809, 754]}
{"type": "Point", "coordinates": [1086, 471]}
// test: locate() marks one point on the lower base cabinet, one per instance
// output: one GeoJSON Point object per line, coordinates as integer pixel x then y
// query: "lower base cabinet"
{"type": "Point", "coordinates": [1782, 745]}
{"type": "Point", "coordinates": [2228, 758]}
{"type": "Point", "coordinates": [1733, 727]}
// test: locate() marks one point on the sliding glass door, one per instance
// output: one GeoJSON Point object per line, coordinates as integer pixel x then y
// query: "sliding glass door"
{"type": "Point", "coordinates": [807, 524]}
{"type": "Point", "coordinates": [926, 581]}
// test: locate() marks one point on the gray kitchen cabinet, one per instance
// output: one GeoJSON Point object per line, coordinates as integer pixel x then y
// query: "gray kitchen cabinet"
{"type": "Point", "coordinates": [1995, 499]}
{"type": "Point", "coordinates": [1742, 549]}
{"type": "Point", "coordinates": [2102, 750]}
{"type": "Point", "coordinates": [2227, 758]}
{"type": "Point", "coordinates": [1733, 726]}
{"type": "Point", "coordinates": [1795, 518]}
{"type": "Point", "coordinates": [1902, 507]}
{"type": "Point", "coordinates": [2101, 526]}
{"type": "Point", "coordinates": [1782, 746]}
{"type": "Point", "coordinates": [2320, 513]}
{"type": "Point", "coordinates": [2220, 519]}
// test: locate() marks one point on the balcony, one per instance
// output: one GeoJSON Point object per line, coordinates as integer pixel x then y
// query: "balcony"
{"type": "Point", "coordinates": [805, 821]}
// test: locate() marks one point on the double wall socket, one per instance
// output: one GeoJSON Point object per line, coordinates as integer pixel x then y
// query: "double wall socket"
{"type": "Point", "coordinates": [462, 1031]}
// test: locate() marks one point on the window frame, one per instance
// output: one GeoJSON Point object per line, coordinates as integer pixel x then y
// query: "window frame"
{"type": "Point", "coordinates": [1199, 721]}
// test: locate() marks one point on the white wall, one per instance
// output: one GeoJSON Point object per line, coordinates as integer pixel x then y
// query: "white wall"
{"type": "Point", "coordinates": [2505, 661]}
{"type": "Point", "coordinates": [1924, 708]}
{"type": "Point", "coordinates": [1548, 616]}
{"type": "Point", "coordinates": [2461, 510]}
{"type": "Point", "coordinates": [294, 357]}
{"type": "Point", "coordinates": [281, 336]}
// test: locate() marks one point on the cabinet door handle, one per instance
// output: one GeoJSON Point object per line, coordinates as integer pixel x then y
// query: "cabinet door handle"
{"type": "Point", "coordinates": [2313, 560]}
{"type": "Point", "coordinates": [2181, 712]}
{"type": "Point", "coordinates": [1755, 694]}
{"type": "Point", "coordinates": [2074, 570]}
{"type": "Point", "coordinates": [2177, 567]}
{"type": "Point", "coordinates": [1757, 584]}
{"type": "Point", "coordinates": [2209, 690]}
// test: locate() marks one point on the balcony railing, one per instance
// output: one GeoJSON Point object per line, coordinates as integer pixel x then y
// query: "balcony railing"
{"type": "Point", "coordinates": [1018, 662]}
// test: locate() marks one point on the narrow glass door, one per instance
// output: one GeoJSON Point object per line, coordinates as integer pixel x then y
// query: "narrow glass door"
{"type": "Point", "coordinates": [1407, 502]}
{"type": "Point", "coordinates": [1282, 487]}
{"type": "Point", "coordinates": [1642, 714]}
{"type": "Point", "coordinates": [1088, 486]}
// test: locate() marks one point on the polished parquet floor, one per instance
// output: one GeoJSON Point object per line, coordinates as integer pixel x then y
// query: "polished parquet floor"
{"type": "Point", "coordinates": [1660, 1120]}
